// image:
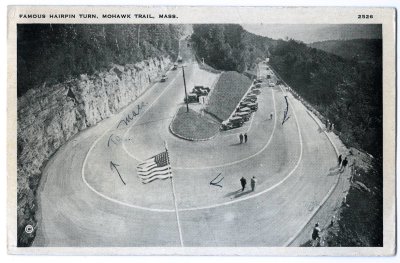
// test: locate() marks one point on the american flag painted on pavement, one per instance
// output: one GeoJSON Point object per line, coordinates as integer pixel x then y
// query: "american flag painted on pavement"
{"type": "Point", "coordinates": [156, 167]}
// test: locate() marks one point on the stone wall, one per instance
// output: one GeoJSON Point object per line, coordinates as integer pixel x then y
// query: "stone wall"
{"type": "Point", "coordinates": [50, 115]}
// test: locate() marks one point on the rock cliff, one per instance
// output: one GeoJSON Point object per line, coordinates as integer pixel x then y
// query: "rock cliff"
{"type": "Point", "coordinates": [50, 115]}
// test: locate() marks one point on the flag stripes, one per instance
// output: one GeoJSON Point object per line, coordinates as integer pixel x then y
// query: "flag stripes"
{"type": "Point", "coordinates": [156, 167]}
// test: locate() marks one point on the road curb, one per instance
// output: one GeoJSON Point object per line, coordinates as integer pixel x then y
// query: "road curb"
{"type": "Point", "coordinates": [171, 130]}
{"type": "Point", "coordinates": [331, 190]}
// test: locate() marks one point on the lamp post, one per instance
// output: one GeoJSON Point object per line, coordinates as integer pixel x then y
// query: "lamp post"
{"type": "Point", "coordinates": [184, 84]}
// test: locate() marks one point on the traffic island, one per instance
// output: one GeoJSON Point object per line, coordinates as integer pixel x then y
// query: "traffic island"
{"type": "Point", "coordinates": [193, 126]}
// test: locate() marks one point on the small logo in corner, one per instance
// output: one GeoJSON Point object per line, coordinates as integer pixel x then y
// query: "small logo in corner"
{"type": "Point", "coordinates": [29, 229]}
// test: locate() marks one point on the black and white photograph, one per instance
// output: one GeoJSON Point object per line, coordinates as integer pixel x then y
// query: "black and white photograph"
{"type": "Point", "coordinates": [202, 135]}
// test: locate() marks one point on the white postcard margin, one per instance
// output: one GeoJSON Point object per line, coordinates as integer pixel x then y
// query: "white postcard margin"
{"type": "Point", "coordinates": [202, 14]}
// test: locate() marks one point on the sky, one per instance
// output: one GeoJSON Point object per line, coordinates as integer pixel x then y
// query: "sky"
{"type": "Point", "coordinates": [313, 33]}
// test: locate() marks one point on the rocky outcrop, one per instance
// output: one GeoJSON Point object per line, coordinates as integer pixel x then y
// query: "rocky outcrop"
{"type": "Point", "coordinates": [50, 115]}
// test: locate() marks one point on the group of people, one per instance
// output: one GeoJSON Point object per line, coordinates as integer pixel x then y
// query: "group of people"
{"type": "Point", "coordinates": [243, 137]}
{"type": "Point", "coordinates": [253, 182]}
{"type": "Point", "coordinates": [330, 126]}
{"type": "Point", "coordinates": [342, 163]}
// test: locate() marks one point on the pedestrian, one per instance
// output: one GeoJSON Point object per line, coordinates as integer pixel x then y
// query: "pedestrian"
{"type": "Point", "coordinates": [353, 167]}
{"type": "Point", "coordinates": [245, 137]}
{"type": "Point", "coordinates": [316, 234]}
{"type": "Point", "coordinates": [241, 138]}
{"type": "Point", "coordinates": [327, 126]}
{"type": "Point", "coordinates": [243, 182]}
{"type": "Point", "coordinates": [340, 160]}
{"type": "Point", "coordinates": [253, 182]}
{"type": "Point", "coordinates": [331, 126]}
{"type": "Point", "coordinates": [326, 123]}
{"type": "Point", "coordinates": [344, 164]}
{"type": "Point", "coordinates": [271, 115]}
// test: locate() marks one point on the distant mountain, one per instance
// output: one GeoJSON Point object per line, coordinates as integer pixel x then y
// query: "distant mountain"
{"type": "Point", "coordinates": [361, 50]}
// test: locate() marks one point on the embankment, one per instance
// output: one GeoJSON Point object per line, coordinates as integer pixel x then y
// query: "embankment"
{"type": "Point", "coordinates": [50, 115]}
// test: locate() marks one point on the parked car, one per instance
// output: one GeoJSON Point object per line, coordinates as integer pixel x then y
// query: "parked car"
{"type": "Point", "coordinates": [245, 115]}
{"type": "Point", "coordinates": [253, 106]}
{"type": "Point", "coordinates": [175, 67]}
{"type": "Point", "coordinates": [201, 91]}
{"type": "Point", "coordinates": [256, 91]}
{"type": "Point", "coordinates": [163, 78]}
{"type": "Point", "coordinates": [192, 97]}
{"type": "Point", "coordinates": [232, 123]}
{"type": "Point", "coordinates": [250, 99]}
{"type": "Point", "coordinates": [243, 109]}
{"type": "Point", "coordinates": [180, 59]}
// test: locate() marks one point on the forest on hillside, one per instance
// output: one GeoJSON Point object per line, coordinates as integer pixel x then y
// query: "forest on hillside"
{"type": "Point", "coordinates": [229, 47]}
{"type": "Point", "coordinates": [346, 91]}
{"type": "Point", "coordinates": [51, 53]}
{"type": "Point", "coordinates": [361, 50]}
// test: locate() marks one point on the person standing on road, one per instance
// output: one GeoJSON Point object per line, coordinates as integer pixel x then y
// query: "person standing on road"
{"type": "Point", "coordinates": [316, 234]}
{"type": "Point", "coordinates": [340, 160]}
{"type": "Point", "coordinates": [245, 137]}
{"type": "Point", "coordinates": [253, 182]}
{"type": "Point", "coordinates": [344, 164]}
{"type": "Point", "coordinates": [331, 126]}
{"type": "Point", "coordinates": [241, 138]}
{"type": "Point", "coordinates": [243, 182]}
{"type": "Point", "coordinates": [353, 167]}
{"type": "Point", "coordinates": [271, 115]}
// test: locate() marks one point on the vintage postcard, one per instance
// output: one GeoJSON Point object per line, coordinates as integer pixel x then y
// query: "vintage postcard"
{"type": "Point", "coordinates": [154, 130]}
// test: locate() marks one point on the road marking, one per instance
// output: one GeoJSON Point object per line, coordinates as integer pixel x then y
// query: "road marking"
{"type": "Point", "coordinates": [202, 207]}
{"type": "Point", "coordinates": [241, 160]}
{"type": "Point", "coordinates": [131, 127]}
{"type": "Point", "coordinates": [265, 190]}
{"type": "Point", "coordinates": [251, 122]}
{"type": "Point", "coordinates": [177, 211]}
{"type": "Point", "coordinates": [99, 138]}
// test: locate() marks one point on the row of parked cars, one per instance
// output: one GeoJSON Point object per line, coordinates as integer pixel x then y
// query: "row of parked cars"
{"type": "Point", "coordinates": [246, 107]}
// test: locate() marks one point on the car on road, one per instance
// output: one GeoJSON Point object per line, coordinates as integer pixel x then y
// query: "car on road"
{"type": "Point", "coordinates": [175, 67]}
{"type": "Point", "coordinates": [243, 109]}
{"type": "Point", "coordinates": [251, 96]}
{"type": "Point", "coordinates": [192, 98]}
{"type": "Point", "coordinates": [250, 99]}
{"type": "Point", "coordinates": [245, 115]}
{"type": "Point", "coordinates": [163, 78]}
{"type": "Point", "coordinates": [201, 91]}
{"type": "Point", "coordinates": [234, 122]}
{"type": "Point", "coordinates": [253, 106]}
{"type": "Point", "coordinates": [256, 91]}
{"type": "Point", "coordinates": [180, 59]}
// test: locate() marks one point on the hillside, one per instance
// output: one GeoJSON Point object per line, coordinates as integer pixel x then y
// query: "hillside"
{"type": "Point", "coordinates": [360, 50]}
{"type": "Point", "coordinates": [229, 47]}
{"type": "Point", "coordinates": [71, 77]}
{"type": "Point", "coordinates": [52, 53]}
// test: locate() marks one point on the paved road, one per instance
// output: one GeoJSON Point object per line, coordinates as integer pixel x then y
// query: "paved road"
{"type": "Point", "coordinates": [83, 202]}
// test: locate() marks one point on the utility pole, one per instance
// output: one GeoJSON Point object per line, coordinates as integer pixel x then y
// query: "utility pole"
{"type": "Point", "coordinates": [184, 84]}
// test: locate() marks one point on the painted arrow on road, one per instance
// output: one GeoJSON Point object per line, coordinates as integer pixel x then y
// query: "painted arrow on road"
{"type": "Point", "coordinates": [114, 165]}
{"type": "Point", "coordinates": [216, 183]}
